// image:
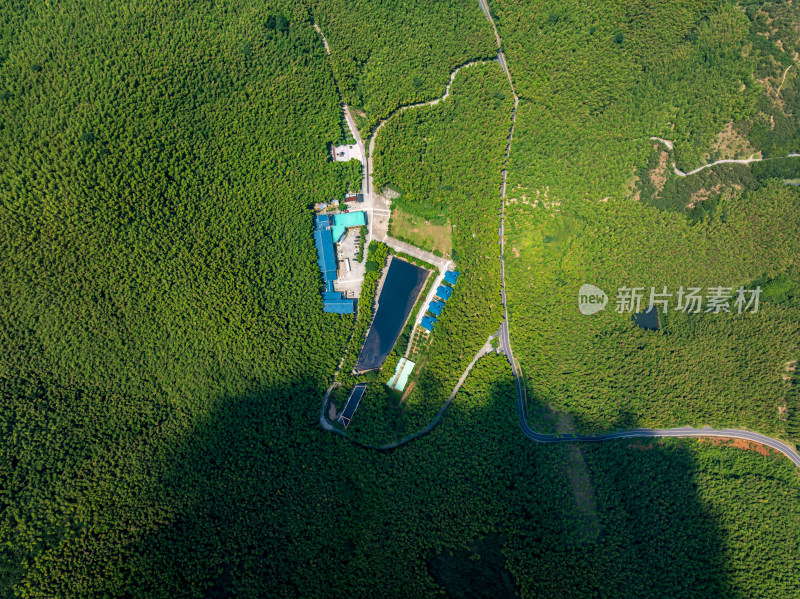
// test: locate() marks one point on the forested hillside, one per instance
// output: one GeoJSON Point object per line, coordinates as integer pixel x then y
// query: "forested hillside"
{"type": "Point", "coordinates": [150, 228]}
{"type": "Point", "coordinates": [158, 168]}
{"type": "Point", "coordinates": [724, 369]}
{"type": "Point", "coordinates": [388, 54]}
{"type": "Point", "coordinates": [165, 352]}
{"type": "Point", "coordinates": [597, 79]}
{"type": "Point", "coordinates": [586, 191]}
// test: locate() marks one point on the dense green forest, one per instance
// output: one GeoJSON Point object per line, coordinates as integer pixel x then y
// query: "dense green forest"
{"type": "Point", "coordinates": [158, 167]}
{"type": "Point", "coordinates": [716, 369]}
{"type": "Point", "coordinates": [597, 79]}
{"type": "Point", "coordinates": [165, 351]}
{"type": "Point", "coordinates": [253, 501]}
{"type": "Point", "coordinates": [127, 169]}
{"type": "Point", "coordinates": [388, 54]}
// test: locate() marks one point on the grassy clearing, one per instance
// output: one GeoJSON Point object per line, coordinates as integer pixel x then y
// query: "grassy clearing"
{"type": "Point", "coordinates": [422, 233]}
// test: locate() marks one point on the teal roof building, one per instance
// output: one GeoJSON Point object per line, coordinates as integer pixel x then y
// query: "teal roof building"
{"type": "Point", "coordinates": [342, 222]}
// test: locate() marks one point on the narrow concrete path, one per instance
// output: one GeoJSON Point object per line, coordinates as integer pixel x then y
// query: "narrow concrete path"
{"type": "Point", "coordinates": [326, 424]}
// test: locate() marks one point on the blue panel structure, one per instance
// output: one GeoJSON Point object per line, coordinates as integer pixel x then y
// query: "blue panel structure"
{"type": "Point", "coordinates": [339, 306]}
{"type": "Point", "coordinates": [428, 322]}
{"type": "Point", "coordinates": [444, 292]}
{"type": "Point", "coordinates": [435, 308]}
{"type": "Point", "coordinates": [352, 404]}
{"type": "Point", "coordinates": [326, 254]}
{"type": "Point", "coordinates": [332, 301]}
{"type": "Point", "coordinates": [451, 276]}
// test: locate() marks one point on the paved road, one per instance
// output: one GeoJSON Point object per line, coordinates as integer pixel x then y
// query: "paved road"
{"type": "Point", "coordinates": [505, 345]}
{"type": "Point", "coordinates": [683, 432]}
{"type": "Point", "coordinates": [326, 424]}
{"type": "Point", "coordinates": [412, 250]}
{"type": "Point", "coordinates": [379, 207]}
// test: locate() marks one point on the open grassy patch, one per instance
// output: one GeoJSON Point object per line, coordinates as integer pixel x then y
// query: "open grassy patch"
{"type": "Point", "coordinates": [422, 233]}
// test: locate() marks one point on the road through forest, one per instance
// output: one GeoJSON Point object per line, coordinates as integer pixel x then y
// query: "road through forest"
{"type": "Point", "coordinates": [680, 173]}
{"type": "Point", "coordinates": [503, 332]}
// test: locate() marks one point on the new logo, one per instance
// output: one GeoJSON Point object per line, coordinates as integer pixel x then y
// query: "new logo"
{"type": "Point", "coordinates": [591, 299]}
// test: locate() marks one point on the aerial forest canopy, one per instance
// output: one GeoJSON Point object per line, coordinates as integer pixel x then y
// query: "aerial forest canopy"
{"type": "Point", "coordinates": [593, 199]}
{"type": "Point", "coordinates": [165, 352]}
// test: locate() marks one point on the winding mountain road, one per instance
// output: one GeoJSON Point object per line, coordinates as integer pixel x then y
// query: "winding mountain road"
{"type": "Point", "coordinates": [505, 337]}
{"type": "Point", "coordinates": [504, 333]}
{"type": "Point", "coordinates": [670, 146]}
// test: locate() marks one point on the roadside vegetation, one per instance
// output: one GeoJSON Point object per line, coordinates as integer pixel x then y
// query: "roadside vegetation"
{"type": "Point", "coordinates": [446, 158]}
{"type": "Point", "coordinates": [597, 79]}
{"type": "Point", "coordinates": [588, 190]}
{"type": "Point", "coordinates": [377, 255]}
{"type": "Point", "coordinates": [362, 240]}
{"type": "Point", "coordinates": [389, 54]}
{"type": "Point", "coordinates": [723, 370]}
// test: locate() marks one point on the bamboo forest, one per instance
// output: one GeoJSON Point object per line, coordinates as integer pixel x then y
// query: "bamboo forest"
{"type": "Point", "coordinates": [200, 206]}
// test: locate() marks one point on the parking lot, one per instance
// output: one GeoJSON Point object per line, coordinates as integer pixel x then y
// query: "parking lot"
{"type": "Point", "coordinates": [347, 248]}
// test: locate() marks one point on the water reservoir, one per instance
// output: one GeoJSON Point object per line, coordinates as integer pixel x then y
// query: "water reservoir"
{"type": "Point", "coordinates": [403, 283]}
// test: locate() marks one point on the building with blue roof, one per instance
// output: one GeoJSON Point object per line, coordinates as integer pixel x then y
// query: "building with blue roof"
{"type": "Point", "coordinates": [428, 322]}
{"type": "Point", "coordinates": [332, 301]}
{"type": "Point", "coordinates": [342, 305]}
{"type": "Point", "coordinates": [435, 308]}
{"type": "Point", "coordinates": [326, 257]}
{"type": "Point", "coordinates": [444, 292]}
{"type": "Point", "coordinates": [451, 276]}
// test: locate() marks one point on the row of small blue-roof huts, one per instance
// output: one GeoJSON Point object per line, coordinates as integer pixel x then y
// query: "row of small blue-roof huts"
{"type": "Point", "coordinates": [443, 292]}
{"type": "Point", "coordinates": [328, 230]}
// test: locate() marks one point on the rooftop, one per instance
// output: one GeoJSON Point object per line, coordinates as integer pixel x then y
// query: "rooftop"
{"type": "Point", "coordinates": [345, 220]}
{"type": "Point", "coordinates": [401, 373]}
{"type": "Point", "coordinates": [444, 292]}
{"type": "Point", "coordinates": [435, 307]}
{"type": "Point", "coordinates": [451, 276]}
{"type": "Point", "coordinates": [428, 322]}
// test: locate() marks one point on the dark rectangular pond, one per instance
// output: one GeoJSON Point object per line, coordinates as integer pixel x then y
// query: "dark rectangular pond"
{"type": "Point", "coordinates": [648, 320]}
{"type": "Point", "coordinates": [401, 287]}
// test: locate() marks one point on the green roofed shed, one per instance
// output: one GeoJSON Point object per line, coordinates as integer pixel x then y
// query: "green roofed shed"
{"type": "Point", "coordinates": [401, 373]}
